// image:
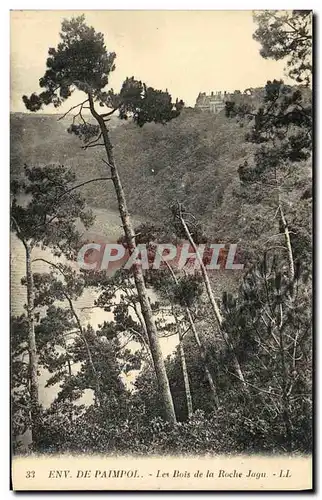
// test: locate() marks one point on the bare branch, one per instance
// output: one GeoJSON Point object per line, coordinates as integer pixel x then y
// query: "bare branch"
{"type": "Point", "coordinates": [106, 162]}
{"type": "Point", "coordinates": [270, 393]}
{"type": "Point", "coordinates": [104, 115]}
{"type": "Point", "coordinates": [71, 109]}
{"type": "Point", "coordinates": [93, 141]}
{"type": "Point", "coordinates": [93, 145]}
{"type": "Point", "coordinates": [84, 183]}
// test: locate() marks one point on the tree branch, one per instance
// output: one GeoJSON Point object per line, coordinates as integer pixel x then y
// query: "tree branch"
{"type": "Point", "coordinates": [92, 142]}
{"type": "Point", "coordinates": [84, 183]}
{"type": "Point", "coordinates": [71, 109]}
{"type": "Point", "coordinates": [93, 145]}
{"type": "Point", "coordinates": [104, 115]}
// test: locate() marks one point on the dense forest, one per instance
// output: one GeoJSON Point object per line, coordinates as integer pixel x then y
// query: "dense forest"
{"type": "Point", "coordinates": [240, 377]}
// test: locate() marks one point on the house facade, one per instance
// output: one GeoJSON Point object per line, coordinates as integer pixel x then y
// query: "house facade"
{"type": "Point", "coordinates": [215, 102]}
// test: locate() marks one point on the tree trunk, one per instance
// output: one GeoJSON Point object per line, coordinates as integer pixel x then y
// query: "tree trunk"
{"type": "Point", "coordinates": [214, 305]}
{"type": "Point", "coordinates": [97, 391]}
{"type": "Point", "coordinates": [184, 366]}
{"type": "Point", "coordinates": [288, 242]}
{"type": "Point", "coordinates": [285, 372]}
{"type": "Point", "coordinates": [32, 348]}
{"type": "Point", "coordinates": [154, 342]}
{"type": "Point", "coordinates": [201, 348]}
{"type": "Point", "coordinates": [185, 379]}
{"type": "Point", "coordinates": [70, 373]}
{"type": "Point", "coordinates": [211, 383]}
{"type": "Point", "coordinates": [285, 381]}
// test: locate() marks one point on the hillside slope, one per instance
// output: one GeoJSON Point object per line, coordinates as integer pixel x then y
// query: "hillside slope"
{"type": "Point", "coordinates": [193, 159]}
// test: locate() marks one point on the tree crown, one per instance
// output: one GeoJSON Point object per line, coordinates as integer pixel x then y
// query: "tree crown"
{"type": "Point", "coordinates": [287, 34]}
{"type": "Point", "coordinates": [82, 62]}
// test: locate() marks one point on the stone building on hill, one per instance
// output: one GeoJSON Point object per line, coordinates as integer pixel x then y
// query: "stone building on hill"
{"type": "Point", "coordinates": [215, 102]}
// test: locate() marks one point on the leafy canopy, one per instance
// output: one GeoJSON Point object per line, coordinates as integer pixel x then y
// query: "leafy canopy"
{"type": "Point", "coordinates": [287, 34]}
{"type": "Point", "coordinates": [82, 62]}
{"type": "Point", "coordinates": [45, 208]}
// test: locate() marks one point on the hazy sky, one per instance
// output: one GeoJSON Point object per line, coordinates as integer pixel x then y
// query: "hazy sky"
{"type": "Point", "coordinates": [183, 51]}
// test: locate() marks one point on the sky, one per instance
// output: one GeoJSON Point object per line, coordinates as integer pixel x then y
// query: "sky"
{"type": "Point", "coordinates": [186, 52]}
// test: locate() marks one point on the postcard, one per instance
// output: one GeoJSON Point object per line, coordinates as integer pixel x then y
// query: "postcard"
{"type": "Point", "coordinates": [161, 250]}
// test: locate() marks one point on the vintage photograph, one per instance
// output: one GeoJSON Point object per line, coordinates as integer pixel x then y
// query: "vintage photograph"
{"type": "Point", "coordinates": [161, 247]}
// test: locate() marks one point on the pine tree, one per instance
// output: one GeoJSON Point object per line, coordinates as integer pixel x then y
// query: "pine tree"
{"type": "Point", "coordinates": [81, 62]}
{"type": "Point", "coordinates": [178, 291]}
{"type": "Point", "coordinates": [179, 214]}
{"type": "Point", "coordinates": [287, 34]}
{"type": "Point", "coordinates": [270, 317]}
{"type": "Point", "coordinates": [44, 209]}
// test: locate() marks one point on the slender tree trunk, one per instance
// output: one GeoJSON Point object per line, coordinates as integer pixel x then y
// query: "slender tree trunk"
{"type": "Point", "coordinates": [284, 225]}
{"type": "Point", "coordinates": [144, 336]}
{"type": "Point", "coordinates": [146, 309]}
{"type": "Point", "coordinates": [94, 371]}
{"type": "Point", "coordinates": [184, 366]}
{"type": "Point", "coordinates": [213, 303]}
{"type": "Point", "coordinates": [69, 372]}
{"type": "Point", "coordinates": [285, 374]}
{"type": "Point", "coordinates": [287, 241]}
{"type": "Point", "coordinates": [211, 383]}
{"type": "Point", "coordinates": [32, 348]}
{"type": "Point", "coordinates": [285, 380]}
{"type": "Point", "coordinates": [185, 379]}
{"type": "Point", "coordinates": [212, 386]}
{"type": "Point", "coordinates": [81, 334]}
{"type": "Point", "coordinates": [69, 366]}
